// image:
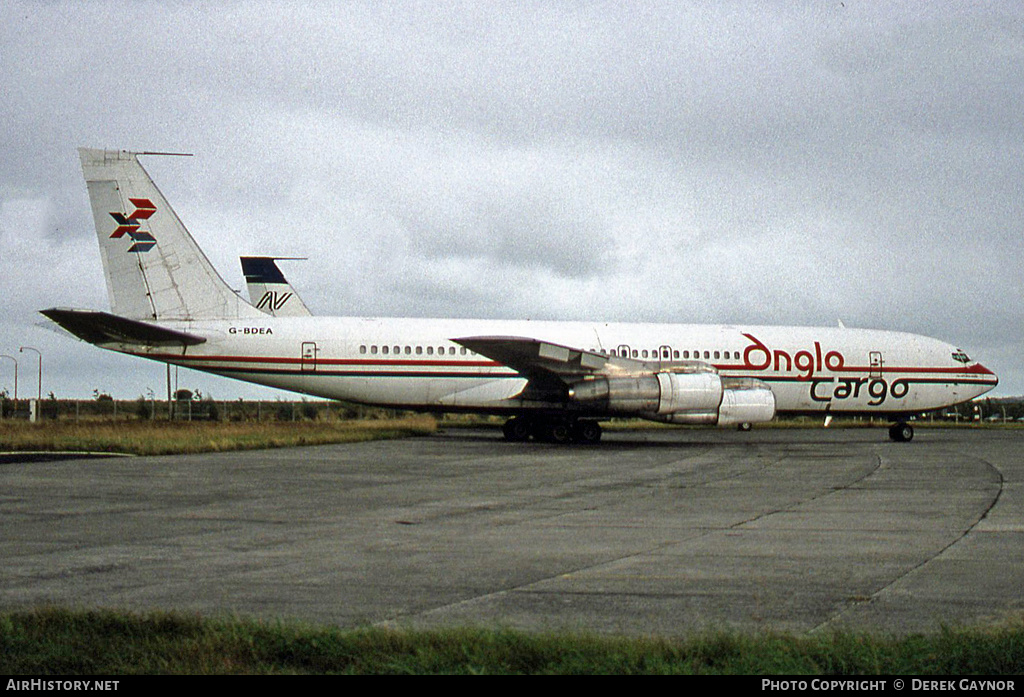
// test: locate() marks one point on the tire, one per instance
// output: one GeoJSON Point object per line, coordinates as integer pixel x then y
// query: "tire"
{"type": "Point", "coordinates": [517, 429]}
{"type": "Point", "coordinates": [558, 432]}
{"type": "Point", "coordinates": [587, 432]}
{"type": "Point", "coordinates": [901, 432]}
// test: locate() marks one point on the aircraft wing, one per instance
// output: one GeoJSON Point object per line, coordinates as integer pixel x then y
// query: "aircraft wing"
{"type": "Point", "coordinates": [104, 328]}
{"type": "Point", "coordinates": [553, 367]}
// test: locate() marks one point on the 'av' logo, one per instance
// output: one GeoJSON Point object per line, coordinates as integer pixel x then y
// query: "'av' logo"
{"type": "Point", "coordinates": [129, 225]}
{"type": "Point", "coordinates": [273, 300]}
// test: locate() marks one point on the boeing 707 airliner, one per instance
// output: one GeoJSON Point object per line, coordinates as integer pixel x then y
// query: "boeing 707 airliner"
{"type": "Point", "coordinates": [556, 381]}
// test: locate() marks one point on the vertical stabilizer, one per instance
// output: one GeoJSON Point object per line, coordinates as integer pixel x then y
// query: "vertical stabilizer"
{"type": "Point", "coordinates": [269, 290]}
{"type": "Point", "coordinates": [154, 269]}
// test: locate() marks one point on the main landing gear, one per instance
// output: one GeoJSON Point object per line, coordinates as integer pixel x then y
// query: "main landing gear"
{"type": "Point", "coordinates": [552, 430]}
{"type": "Point", "coordinates": [901, 432]}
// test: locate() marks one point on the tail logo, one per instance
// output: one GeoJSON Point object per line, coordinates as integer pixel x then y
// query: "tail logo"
{"type": "Point", "coordinates": [273, 300]}
{"type": "Point", "coordinates": [129, 225]}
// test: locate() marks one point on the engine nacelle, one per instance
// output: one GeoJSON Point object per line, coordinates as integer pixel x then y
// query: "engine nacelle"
{"type": "Point", "coordinates": [744, 401]}
{"type": "Point", "coordinates": [682, 398]}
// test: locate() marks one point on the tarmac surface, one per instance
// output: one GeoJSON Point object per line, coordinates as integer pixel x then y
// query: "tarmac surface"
{"type": "Point", "coordinates": [650, 532]}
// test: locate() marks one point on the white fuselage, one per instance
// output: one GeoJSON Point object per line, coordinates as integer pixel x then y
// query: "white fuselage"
{"type": "Point", "coordinates": [414, 364]}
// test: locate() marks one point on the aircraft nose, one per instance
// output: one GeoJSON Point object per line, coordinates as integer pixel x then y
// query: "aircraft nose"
{"type": "Point", "coordinates": [986, 378]}
{"type": "Point", "coordinates": [995, 378]}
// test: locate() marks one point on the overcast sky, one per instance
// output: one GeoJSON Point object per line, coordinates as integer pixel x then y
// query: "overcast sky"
{"type": "Point", "coordinates": [747, 162]}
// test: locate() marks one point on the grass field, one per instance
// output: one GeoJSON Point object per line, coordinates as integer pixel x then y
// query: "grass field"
{"type": "Point", "coordinates": [63, 642]}
{"type": "Point", "coordinates": [158, 437]}
{"type": "Point", "coordinates": [143, 437]}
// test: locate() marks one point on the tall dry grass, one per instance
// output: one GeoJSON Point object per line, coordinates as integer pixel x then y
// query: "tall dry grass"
{"type": "Point", "coordinates": [164, 437]}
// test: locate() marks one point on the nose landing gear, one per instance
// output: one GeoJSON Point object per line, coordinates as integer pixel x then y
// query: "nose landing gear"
{"type": "Point", "coordinates": [901, 432]}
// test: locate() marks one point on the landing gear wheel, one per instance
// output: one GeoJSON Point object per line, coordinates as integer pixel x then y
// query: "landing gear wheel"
{"type": "Point", "coordinates": [745, 426]}
{"type": "Point", "coordinates": [586, 432]}
{"type": "Point", "coordinates": [517, 429]}
{"type": "Point", "coordinates": [901, 432]}
{"type": "Point", "coordinates": [556, 432]}
{"type": "Point", "coordinates": [561, 431]}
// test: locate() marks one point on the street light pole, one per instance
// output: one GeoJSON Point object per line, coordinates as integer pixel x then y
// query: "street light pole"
{"type": "Point", "coordinates": [15, 375]}
{"type": "Point", "coordinates": [39, 395]}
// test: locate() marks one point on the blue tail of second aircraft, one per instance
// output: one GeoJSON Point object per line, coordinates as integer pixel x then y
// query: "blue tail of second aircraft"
{"type": "Point", "coordinates": [269, 291]}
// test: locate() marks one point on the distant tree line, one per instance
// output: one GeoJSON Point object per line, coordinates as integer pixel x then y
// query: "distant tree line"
{"type": "Point", "coordinates": [191, 406]}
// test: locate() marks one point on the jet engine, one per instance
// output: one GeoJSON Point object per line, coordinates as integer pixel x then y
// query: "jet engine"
{"type": "Point", "coordinates": [680, 398]}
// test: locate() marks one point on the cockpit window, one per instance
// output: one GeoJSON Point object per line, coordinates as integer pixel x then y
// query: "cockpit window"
{"type": "Point", "coordinates": [959, 355]}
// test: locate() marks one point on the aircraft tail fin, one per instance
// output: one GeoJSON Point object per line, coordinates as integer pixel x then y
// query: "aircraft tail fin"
{"type": "Point", "coordinates": [153, 267]}
{"type": "Point", "coordinates": [269, 290]}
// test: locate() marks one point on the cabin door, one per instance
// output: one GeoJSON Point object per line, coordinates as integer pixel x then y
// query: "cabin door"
{"type": "Point", "coordinates": [309, 354]}
{"type": "Point", "coordinates": [875, 364]}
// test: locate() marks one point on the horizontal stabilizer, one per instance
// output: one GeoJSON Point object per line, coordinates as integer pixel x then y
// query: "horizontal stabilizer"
{"type": "Point", "coordinates": [105, 328]}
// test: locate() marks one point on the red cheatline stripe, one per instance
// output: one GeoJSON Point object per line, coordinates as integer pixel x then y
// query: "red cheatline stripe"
{"type": "Point", "coordinates": [326, 361]}
{"type": "Point", "coordinates": [976, 369]}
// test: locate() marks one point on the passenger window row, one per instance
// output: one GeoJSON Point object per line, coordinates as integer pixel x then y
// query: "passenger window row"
{"type": "Point", "coordinates": [374, 350]}
{"type": "Point", "coordinates": [716, 355]}
{"type": "Point", "coordinates": [657, 354]}
{"type": "Point", "coordinates": [663, 354]}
